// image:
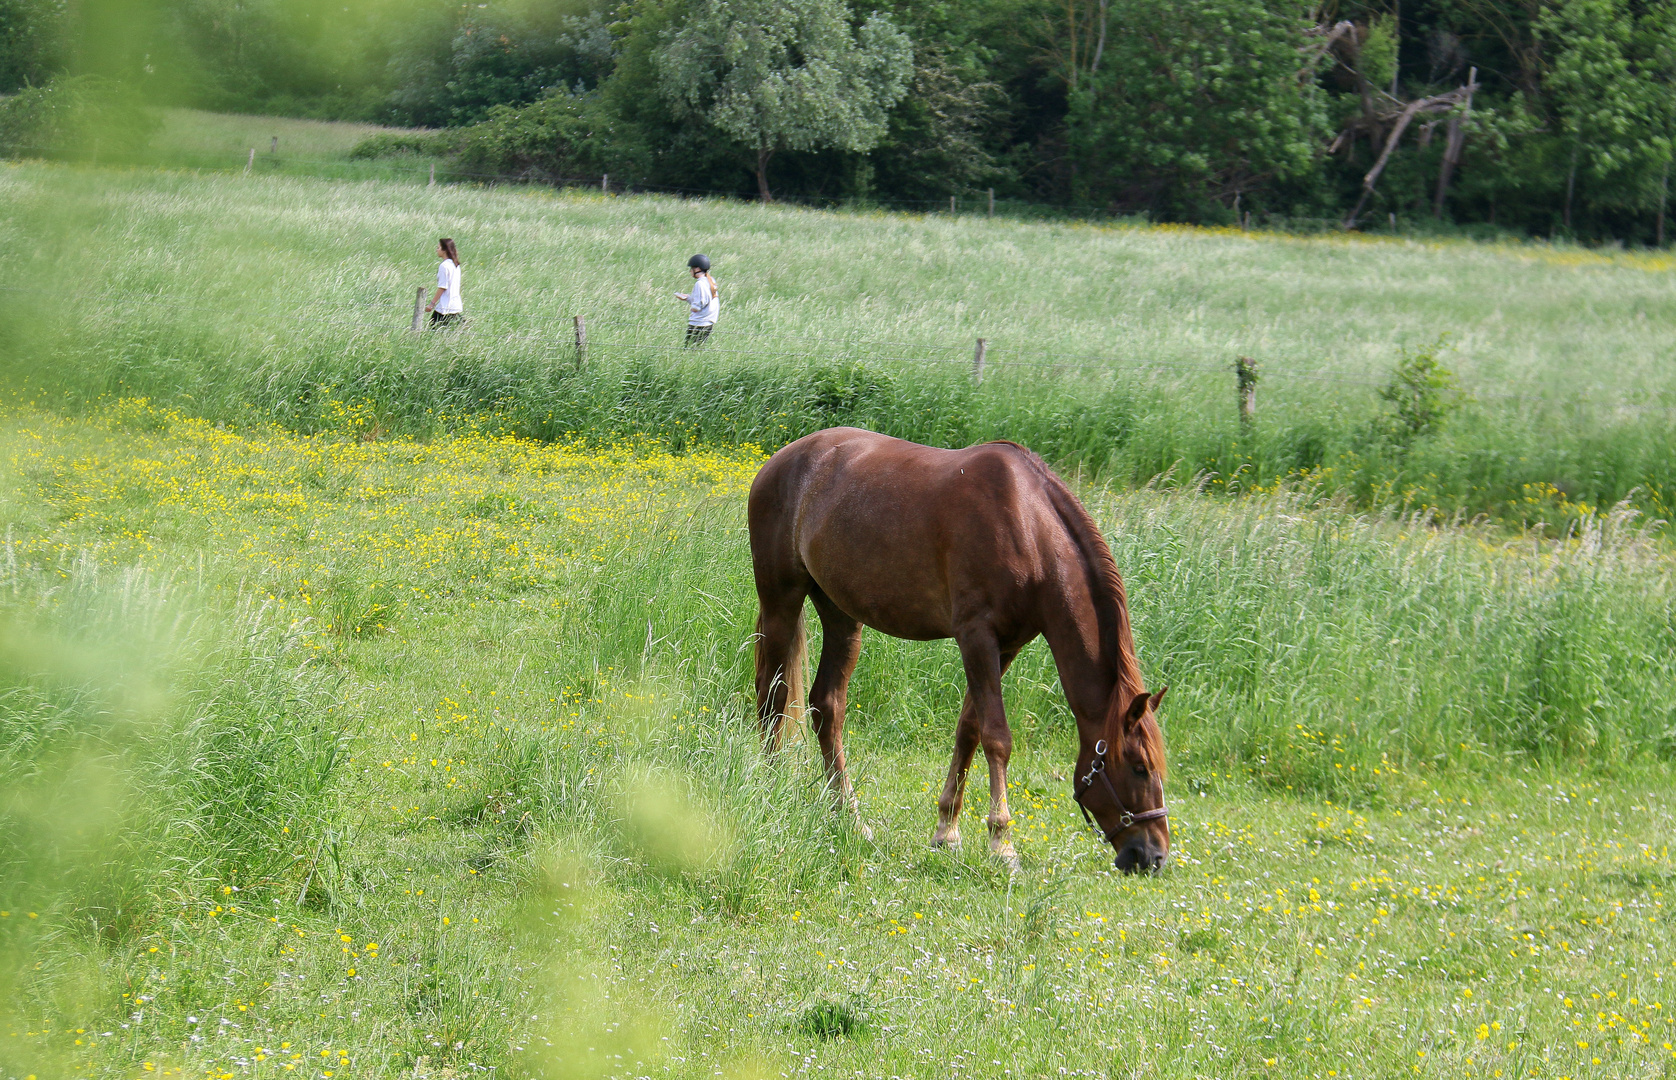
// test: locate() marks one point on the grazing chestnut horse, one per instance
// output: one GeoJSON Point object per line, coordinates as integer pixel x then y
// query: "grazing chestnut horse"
{"type": "Point", "coordinates": [987, 546]}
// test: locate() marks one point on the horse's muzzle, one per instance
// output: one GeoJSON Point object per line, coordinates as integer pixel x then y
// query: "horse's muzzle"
{"type": "Point", "coordinates": [1139, 857]}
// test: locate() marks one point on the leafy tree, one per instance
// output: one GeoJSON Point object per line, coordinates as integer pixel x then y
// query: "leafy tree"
{"type": "Point", "coordinates": [935, 145]}
{"type": "Point", "coordinates": [1657, 43]}
{"type": "Point", "coordinates": [81, 116]}
{"type": "Point", "coordinates": [1196, 101]}
{"type": "Point", "coordinates": [1596, 99]}
{"type": "Point", "coordinates": [462, 63]}
{"type": "Point", "coordinates": [1612, 88]}
{"type": "Point", "coordinates": [30, 42]}
{"type": "Point", "coordinates": [785, 75]}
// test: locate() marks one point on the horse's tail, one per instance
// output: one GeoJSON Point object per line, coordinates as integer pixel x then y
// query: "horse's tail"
{"type": "Point", "coordinates": [796, 691]}
{"type": "Point", "coordinates": [781, 662]}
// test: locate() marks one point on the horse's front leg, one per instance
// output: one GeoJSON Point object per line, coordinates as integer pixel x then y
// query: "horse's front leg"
{"type": "Point", "coordinates": [985, 663]}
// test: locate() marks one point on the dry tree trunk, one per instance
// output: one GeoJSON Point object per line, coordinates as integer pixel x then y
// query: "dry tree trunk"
{"type": "Point", "coordinates": [1100, 48]}
{"type": "Point", "coordinates": [1436, 103]}
{"type": "Point", "coordinates": [1570, 186]}
{"type": "Point", "coordinates": [764, 152]}
{"type": "Point", "coordinates": [1664, 199]}
{"type": "Point", "coordinates": [1452, 147]}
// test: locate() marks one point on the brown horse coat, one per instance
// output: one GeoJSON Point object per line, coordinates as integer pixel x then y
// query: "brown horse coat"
{"type": "Point", "coordinates": [985, 545]}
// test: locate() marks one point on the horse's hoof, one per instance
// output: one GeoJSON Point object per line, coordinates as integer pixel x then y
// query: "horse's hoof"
{"type": "Point", "coordinates": [1009, 857]}
{"type": "Point", "coordinates": [949, 840]}
{"type": "Point", "coordinates": [861, 827]}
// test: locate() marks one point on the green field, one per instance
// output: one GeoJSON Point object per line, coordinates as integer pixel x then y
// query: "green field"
{"type": "Point", "coordinates": [1109, 348]}
{"type": "Point", "coordinates": [190, 136]}
{"type": "Point", "coordinates": [390, 758]}
{"type": "Point", "coordinates": [378, 705]}
{"type": "Point", "coordinates": [197, 141]}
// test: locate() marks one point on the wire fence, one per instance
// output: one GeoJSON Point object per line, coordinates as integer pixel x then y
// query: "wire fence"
{"type": "Point", "coordinates": [980, 354]}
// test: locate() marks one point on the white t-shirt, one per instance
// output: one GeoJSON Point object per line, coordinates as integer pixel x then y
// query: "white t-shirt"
{"type": "Point", "coordinates": [448, 280]}
{"type": "Point", "coordinates": [705, 304]}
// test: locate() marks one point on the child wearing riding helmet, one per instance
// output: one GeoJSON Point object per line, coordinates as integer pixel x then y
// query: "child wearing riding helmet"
{"type": "Point", "coordinates": [704, 303]}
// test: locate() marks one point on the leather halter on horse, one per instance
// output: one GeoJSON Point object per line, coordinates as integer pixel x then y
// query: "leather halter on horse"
{"type": "Point", "coordinates": [1097, 767]}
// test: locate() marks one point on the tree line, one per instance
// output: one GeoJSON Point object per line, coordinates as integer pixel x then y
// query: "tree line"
{"type": "Point", "coordinates": [1537, 117]}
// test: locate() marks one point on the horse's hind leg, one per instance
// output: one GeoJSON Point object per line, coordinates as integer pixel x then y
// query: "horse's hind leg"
{"type": "Point", "coordinates": [840, 647]}
{"type": "Point", "coordinates": [779, 656]}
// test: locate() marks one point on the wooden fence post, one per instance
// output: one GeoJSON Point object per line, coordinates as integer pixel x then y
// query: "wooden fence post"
{"type": "Point", "coordinates": [250, 162]}
{"type": "Point", "coordinates": [419, 309]}
{"type": "Point", "coordinates": [605, 183]}
{"type": "Point", "coordinates": [581, 342]}
{"type": "Point", "coordinates": [977, 360]}
{"type": "Point", "coordinates": [951, 204]}
{"type": "Point", "coordinates": [1245, 372]}
{"type": "Point", "coordinates": [991, 202]}
{"type": "Point", "coordinates": [274, 147]}
{"type": "Point", "coordinates": [432, 182]}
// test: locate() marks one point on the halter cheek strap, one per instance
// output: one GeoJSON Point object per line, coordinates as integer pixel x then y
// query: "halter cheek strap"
{"type": "Point", "coordinates": [1085, 783]}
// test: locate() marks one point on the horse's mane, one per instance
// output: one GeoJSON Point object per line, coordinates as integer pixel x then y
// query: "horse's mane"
{"type": "Point", "coordinates": [1111, 601]}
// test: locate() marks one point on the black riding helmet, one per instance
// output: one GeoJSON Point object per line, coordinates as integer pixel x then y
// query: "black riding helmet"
{"type": "Point", "coordinates": [700, 261]}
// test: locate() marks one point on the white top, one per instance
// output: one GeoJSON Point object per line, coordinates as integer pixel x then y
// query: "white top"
{"type": "Point", "coordinates": [448, 280]}
{"type": "Point", "coordinates": [705, 304]}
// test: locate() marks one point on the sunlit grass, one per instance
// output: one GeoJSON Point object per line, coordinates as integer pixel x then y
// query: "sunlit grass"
{"type": "Point", "coordinates": [194, 137]}
{"type": "Point", "coordinates": [1109, 348]}
{"type": "Point", "coordinates": [552, 839]}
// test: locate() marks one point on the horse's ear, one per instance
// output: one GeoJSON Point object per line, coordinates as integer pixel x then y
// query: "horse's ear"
{"type": "Point", "coordinates": [1137, 709]}
{"type": "Point", "coordinates": [1156, 698]}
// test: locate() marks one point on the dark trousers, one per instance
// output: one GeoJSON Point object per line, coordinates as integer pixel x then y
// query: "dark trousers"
{"type": "Point", "coordinates": [696, 335]}
{"type": "Point", "coordinates": [439, 320]}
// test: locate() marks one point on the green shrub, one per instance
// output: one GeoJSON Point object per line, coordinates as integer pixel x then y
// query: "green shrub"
{"type": "Point", "coordinates": [81, 117]}
{"type": "Point", "coordinates": [397, 144]}
{"type": "Point", "coordinates": [1422, 394]}
{"type": "Point", "coordinates": [549, 140]}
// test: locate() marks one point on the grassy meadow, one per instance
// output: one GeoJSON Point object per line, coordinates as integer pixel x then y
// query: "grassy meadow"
{"type": "Point", "coordinates": [376, 704]}
{"type": "Point", "coordinates": [1109, 348]}
{"type": "Point", "coordinates": [194, 140]}
{"type": "Point", "coordinates": [186, 133]}
{"type": "Point", "coordinates": [427, 758]}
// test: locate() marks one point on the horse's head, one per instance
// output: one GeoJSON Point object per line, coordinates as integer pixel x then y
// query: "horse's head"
{"type": "Point", "coordinates": [1120, 784]}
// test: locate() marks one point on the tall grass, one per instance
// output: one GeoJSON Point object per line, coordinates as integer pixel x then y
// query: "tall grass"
{"type": "Point", "coordinates": [1314, 646]}
{"type": "Point", "coordinates": [1109, 349]}
{"type": "Point", "coordinates": [552, 838]}
{"type": "Point", "coordinates": [153, 756]}
{"type": "Point", "coordinates": [1301, 637]}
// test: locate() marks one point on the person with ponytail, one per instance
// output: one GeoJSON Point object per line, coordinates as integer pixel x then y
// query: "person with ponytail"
{"type": "Point", "coordinates": [445, 306]}
{"type": "Point", "coordinates": [704, 303]}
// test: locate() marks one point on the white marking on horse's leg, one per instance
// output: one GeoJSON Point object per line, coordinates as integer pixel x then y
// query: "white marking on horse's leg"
{"type": "Point", "coordinates": [1000, 816]}
{"type": "Point", "coordinates": [947, 833]}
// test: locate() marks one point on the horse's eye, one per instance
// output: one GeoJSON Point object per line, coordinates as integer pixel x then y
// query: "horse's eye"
{"type": "Point", "coordinates": [1140, 771]}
